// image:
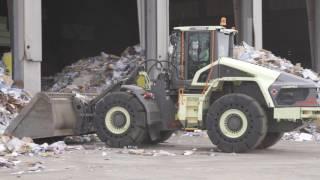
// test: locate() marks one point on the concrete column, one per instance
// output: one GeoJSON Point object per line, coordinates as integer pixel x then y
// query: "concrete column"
{"type": "Point", "coordinates": [311, 26]}
{"type": "Point", "coordinates": [151, 29]}
{"type": "Point", "coordinates": [246, 22]}
{"type": "Point", "coordinates": [154, 30]}
{"type": "Point", "coordinates": [237, 18]}
{"type": "Point", "coordinates": [27, 44]}
{"type": "Point", "coordinates": [257, 24]}
{"type": "Point", "coordinates": [313, 8]}
{"type": "Point", "coordinates": [141, 19]}
{"type": "Point", "coordinates": [162, 29]}
{"type": "Point", "coordinates": [311, 15]}
{"type": "Point", "coordinates": [17, 35]}
{"type": "Point", "coordinates": [317, 36]}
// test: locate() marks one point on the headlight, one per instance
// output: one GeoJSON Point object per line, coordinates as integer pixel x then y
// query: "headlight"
{"type": "Point", "coordinates": [294, 91]}
{"type": "Point", "coordinates": [295, 96]}
{"type": "Point", "coordinates": [291, 96]}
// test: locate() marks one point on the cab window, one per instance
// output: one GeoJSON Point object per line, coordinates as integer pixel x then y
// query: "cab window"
{"type": "Point", "coordinates": [198, 52]}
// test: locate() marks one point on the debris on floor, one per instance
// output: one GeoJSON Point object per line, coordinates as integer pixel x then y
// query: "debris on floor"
{"type": "Point", "coordinates": [14, 147]}
{"type": "Point", "coordinates": [188, 152]}
{"type": "Point", "coordinates": [11, 148]}
{"type": "Point", "coordinates": [196, 132]}
{"type": "Point", "coordinates": [32, 167]}
{"type": "Point", "coordinates": [90, 138]}
{"type": "Point", "coordinates": [163, 153]}
{"type": "Point", "coordinates": [6, 163]}
{"type": "Point", "coordinates": [36, 167]}
{"type": "Point", "coordinates": [95, 74]}
{"type": "Point", "coordinates": [309, 133]}
{"type": "Point", "coordinates": [297, 136]}
{"type": "Point", "coordinates": [144, 152]}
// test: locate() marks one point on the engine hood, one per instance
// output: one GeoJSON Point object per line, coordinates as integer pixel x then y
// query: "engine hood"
{"type": "Point", "coordinates": [253, 70]}
{"type": "Point", "coordinates": [279, 88]}
{"type": "Point", "coordinates": [286, 79]}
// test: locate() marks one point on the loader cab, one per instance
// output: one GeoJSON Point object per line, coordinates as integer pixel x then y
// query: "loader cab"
{"type": "Point", "coordinates": [195, 47]}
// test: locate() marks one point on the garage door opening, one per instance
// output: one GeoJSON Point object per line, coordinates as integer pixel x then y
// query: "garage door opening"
{"type": "Point", "coordinates": [285, 30]}
{"type": "Point", "coordinates": [205, 12]}
{"type": "Point", "coordinates": [76, 29]}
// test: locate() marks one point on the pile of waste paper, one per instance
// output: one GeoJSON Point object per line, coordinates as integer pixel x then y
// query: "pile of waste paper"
{"type": "Point", "coordinates": [16, 146]}
{"type": "Point", "coordinates": [12, 147]}
{"type": "Point", "coordinates": [95, 74]}
{"type": "Point", "coordinates": [12, 100]}
{"type": "Point", "coordinates": [268, 59]}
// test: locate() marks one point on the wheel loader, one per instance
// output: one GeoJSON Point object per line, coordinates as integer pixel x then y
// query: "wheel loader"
{"type": "Point", "coordinates": [242, 106]}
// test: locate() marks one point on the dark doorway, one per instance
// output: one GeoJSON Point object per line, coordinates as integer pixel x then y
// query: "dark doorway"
{"type": "Point", "coordinates": [285, 30]}
{"type": "Point", "coordinates": [75, 29]}
{"type": "Point", "coordinates": [200, 12]}
{"type": "Point", "coordinates": [4, 28]}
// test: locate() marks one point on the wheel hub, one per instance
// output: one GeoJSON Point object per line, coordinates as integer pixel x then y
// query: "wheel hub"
{"type": "Point", "coordinates": [118, 119]}
{"type": "Point", "coordinates": [234, 122]}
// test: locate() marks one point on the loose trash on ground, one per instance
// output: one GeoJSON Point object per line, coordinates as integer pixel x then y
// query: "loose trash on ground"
{"type": "Point", "coordinates": [36, 167]}
{"type": "Point", "coordinates": [90, 138]}
{"type": "Point", "coordinates": [144, 152]}
{"type": "Point", "coordinates": [188, 152]}
{"type": "Point", "coordinates": [310, 133]}
{"type": "Point", "coordinates": [6, 163]}
{"type": "Point", "coordinates": [13, 147]}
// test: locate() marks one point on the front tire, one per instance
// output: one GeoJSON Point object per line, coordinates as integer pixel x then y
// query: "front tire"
{"type": "Point", "coordinates": [120, 120]}
{"type": "Point", "coordinates": [236, 123]}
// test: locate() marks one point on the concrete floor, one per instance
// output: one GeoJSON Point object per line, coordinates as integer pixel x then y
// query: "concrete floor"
{"type": "Point", "coordinates": [286, 160]}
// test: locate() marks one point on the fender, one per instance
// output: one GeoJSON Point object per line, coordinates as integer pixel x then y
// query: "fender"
{"type": "Point", "coordinates": [151, 107]}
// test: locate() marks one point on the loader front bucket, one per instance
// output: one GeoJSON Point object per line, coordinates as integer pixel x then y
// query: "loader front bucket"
{"type": "Point", "coordinates": [47, 115]}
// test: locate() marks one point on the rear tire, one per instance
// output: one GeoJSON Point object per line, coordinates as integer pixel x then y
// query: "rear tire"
{"type": "Point", "coordinates": [120, 120]}
{"type": "Point", "coordinates": [271, 139]}
{"type": "Point", "coordinates": [236, 123]}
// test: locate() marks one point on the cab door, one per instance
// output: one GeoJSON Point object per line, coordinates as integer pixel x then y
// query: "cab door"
{"type": "Point", "coordinates": [197, 52]}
